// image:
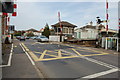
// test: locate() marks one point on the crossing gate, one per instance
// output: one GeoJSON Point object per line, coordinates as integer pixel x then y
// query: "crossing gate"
{"type": "Point", "coordinates": [110, 43]}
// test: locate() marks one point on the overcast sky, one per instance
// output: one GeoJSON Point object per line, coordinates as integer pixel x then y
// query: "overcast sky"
{"type": "Point", "coordinates": [37, 14]}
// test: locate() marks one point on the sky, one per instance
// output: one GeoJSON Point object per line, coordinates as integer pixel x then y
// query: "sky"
{"type": "Point", "coordinates": [37, 14]}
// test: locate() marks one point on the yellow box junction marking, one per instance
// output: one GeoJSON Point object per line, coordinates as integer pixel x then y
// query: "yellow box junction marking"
{"type": "Point", "coordinates": [86, 49]}
{"type": "Point", "coordinates": [43, 54]}
{"type": "Point", "coordinates": [76, 52]}
{"type": "Point", "coordinates": [58, 52]}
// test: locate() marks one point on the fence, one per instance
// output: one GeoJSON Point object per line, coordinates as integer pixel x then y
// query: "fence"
{"type": "Point", "coordinates": [55, 38]}
{"type": "Point", "coordinates": [111, 43]}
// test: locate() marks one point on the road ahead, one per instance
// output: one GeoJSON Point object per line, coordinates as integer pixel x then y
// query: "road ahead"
{"type": "Point", "coordinates": [58, 60]}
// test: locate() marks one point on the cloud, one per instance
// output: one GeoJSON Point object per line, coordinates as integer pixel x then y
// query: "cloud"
{"type": "Point", "coordinates": [36, 15]}
{"type": "Point", "coordinates": [66, 0]}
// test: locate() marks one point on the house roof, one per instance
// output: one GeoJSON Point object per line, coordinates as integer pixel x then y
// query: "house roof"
{"type": "Point", "coordinates": [64, 23]}
{"type": "Point", "coordinates": [42, 29]}
{"type": "Point", "coordinates": [109, 30]}
{"type": "Point", "coordinates": [92, 27]}
{"type": "Point", "coordinates": [88, 26]}
{"type": "Point", "coordinates": [32, 30]}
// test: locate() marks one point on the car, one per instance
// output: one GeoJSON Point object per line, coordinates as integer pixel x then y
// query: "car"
{"type": "Point", "coordinates": [27, 37]}
{"type": "Point", "coordinates": [42, 39]}
{"type": "Point", "coordinates": [34, 37]}
{"type": "Point", "coordinates": [18, 37]}
{"type": "Point", "coordinates": [22, 38]}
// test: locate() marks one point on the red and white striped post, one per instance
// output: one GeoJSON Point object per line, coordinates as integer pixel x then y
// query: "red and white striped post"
{"type": "Point", "coordinates": [106, 44]}
{"type": "Point", "coordinates": [107, 16]}
{"type": "Point", "coordinates": [15, 9]}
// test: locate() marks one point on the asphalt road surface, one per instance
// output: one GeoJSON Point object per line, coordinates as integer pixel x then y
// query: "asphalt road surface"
{"type": "Point", "coordinates": [58, 60]}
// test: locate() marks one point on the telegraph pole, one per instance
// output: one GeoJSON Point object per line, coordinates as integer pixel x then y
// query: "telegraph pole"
{"type": "Point", "coordinates": [60, 26]}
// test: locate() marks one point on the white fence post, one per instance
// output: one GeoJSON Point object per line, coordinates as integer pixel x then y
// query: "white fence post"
{"type": "Point", "coordinates": [117, 44]}
{"type": "Point", "coordinates": [106, 43]}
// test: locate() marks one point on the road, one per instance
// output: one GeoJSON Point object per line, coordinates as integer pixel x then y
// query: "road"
{"type": "Point", "coordinates": [58, 60]}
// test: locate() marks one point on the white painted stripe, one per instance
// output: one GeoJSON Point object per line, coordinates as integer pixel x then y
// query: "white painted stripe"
{"type": "Point", "coordinates": [98, 62]}
{"type": "Point", "coordinates": [33, 63]}
{"type": "Point", "coordinates": [3, 66]}
{"type": "Point", "coordinates": [10, 58]}
{"type": "Point", "coordinates": [101, 73]}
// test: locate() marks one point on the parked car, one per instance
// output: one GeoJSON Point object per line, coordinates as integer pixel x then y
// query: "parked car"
{"type": "Point", "coordinates": [27, 37]}
{"type": "Point", "coordinates": [42, 39]}
{"type": "Point", "coordinates": [18, 37]}
{"type": "Point", "coordinates": [22, 38]}
{"type": "Point", "coordinates": [34, 37]}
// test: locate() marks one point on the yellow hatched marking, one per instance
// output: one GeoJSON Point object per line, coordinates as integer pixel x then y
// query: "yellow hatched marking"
{"type": "Point", "coordinates": [65, 54]}
{"type": "Point", "coordinates": [33, 55]}
{"type": "Point", "coordinates": [76, 52]}
{"type": "Point", "coordinates": [52, 51]}
{"type": "Point", "coordinates": [56, 58]}
{"type": "Point", "coordinates": [59, 53]}
{"type": "Point", "coordinates": [84, 48]}
{"type": "Point", "coordinates": [46, 54]}
{"type": "Point", "coordinates": [91, 50]}
{"type": "Point", "coordinates": [48, 59]}
{"type": "Point", "coordinates": [43, 54]}
{"type": "Point", "coordinates": [15, 46]}
{"type": "Point", "coordinates": [86, 51]}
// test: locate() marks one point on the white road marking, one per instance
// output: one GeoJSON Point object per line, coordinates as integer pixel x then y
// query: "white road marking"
{"type": "Point", "coordinates": [98, 62]}
{"type": "Point", "coordinates": [33, 63]}
{"type": "Point", "coordinates": [10, 58]}
{"type": "Point", "coordinates": [101, 73]}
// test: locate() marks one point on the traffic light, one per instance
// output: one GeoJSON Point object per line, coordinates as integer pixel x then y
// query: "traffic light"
{"type": "Point", "coordinates": [7, 7]}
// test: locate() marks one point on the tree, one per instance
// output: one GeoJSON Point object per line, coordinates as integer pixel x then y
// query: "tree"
{"type": "Point", "coordinates": [46, 31]}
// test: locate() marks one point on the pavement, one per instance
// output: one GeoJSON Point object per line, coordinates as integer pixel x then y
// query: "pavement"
{"type": "Point", "coordinates": [32, 59]}
{"type": "Point", "coordinates": [18, 66]}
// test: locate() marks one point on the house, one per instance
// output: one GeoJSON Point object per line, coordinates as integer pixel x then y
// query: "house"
{"type": "Point", "coordinates": [35, 32]}
{"type": "Point", "coordinates": [87, 32]}
{"type": "Point", "coordinates": [67, 28]}
{"type": "Point", "coordinates": [111, 33]}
